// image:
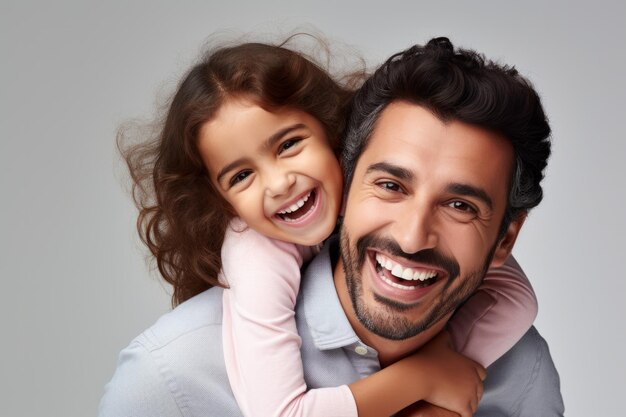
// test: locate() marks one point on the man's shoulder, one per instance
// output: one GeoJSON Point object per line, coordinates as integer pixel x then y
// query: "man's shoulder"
{"type": "Point", "coordinates": [175, 367]}
{"type": "Point", "coordinates": [523, 382]}
{"type": "Point", "coordinates": [529, 351]}
{"type": "Point", "coordinates": [199, 313]}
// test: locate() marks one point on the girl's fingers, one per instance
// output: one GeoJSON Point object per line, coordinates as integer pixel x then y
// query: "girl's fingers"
{"type": "Point", "coordinates": [482, 372]}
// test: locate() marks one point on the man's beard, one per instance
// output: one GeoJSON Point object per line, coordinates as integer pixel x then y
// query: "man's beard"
{"type": "Point", "coordinates": [385, 318]}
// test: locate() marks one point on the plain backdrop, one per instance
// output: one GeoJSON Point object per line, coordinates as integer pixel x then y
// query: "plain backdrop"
{"type": "Point", "coordinates": [75, 285]}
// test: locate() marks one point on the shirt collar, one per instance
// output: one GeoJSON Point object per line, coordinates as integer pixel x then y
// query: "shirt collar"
{"type": "Point", "coordinates": [327, 322]}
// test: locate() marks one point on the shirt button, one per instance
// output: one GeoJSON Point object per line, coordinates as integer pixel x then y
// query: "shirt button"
{"type": "Point", "coordinates": [361, 350]}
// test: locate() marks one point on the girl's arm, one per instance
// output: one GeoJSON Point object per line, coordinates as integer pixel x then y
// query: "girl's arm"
{"type": "Point", "coordinates": [262, 347]}
{"type": "Point", "coordinates": [261, 342]}
{"type": "Point", "coordinates": [496, 316]}
{"type": "Point", "coordinates": [436, 373]}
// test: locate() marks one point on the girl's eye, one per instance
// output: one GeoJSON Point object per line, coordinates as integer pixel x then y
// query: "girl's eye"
{"type": "Point", "coordinates": [462, 207]}
{"type": "Point", "coordinates": [239, 177]}
{"type": "Point", "coordinates": [288, 144]}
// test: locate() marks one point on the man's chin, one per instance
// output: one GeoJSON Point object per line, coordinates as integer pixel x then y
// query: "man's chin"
{"type": "Point", "coordinates": [391, 319]}
{"type": "Point", "coordinates": [390, 312]}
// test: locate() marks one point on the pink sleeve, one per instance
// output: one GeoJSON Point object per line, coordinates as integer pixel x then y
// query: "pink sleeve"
{"type": "Point", "coordinates": [261, 342]}
{"type": "Point", "coordinates": [496, 316]}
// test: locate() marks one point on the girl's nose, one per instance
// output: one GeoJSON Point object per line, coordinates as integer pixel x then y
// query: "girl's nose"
{"type": "Point", "coordinates": [279, 183]}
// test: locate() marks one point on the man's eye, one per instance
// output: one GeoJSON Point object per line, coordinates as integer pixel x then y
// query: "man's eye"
{"type": "Point", "coordinates": [389, 186]}
{"type": "Point", "coordinates": [288, 144]}
{"type": "Point", "coordinates": [240, 176]}
{"type": "Point", "coordinates": [462, 207]}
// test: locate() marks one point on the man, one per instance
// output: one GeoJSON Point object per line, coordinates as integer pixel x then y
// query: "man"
{"type": "Point", "coordinates": [443, 158]}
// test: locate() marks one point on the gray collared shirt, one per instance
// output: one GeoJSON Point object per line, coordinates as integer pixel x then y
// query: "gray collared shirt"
{"type": "Point", "coordinates": [176, 367]}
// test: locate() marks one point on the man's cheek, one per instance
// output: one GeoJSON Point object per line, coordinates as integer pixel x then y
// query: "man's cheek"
{"type": "Point", "coordinates": [467, 245]}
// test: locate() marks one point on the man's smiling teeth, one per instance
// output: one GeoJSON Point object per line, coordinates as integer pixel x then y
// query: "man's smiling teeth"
{"type": "Point", "coordinates": [295, 206]}
{"type": "Point", "coordinates": [404, 273]}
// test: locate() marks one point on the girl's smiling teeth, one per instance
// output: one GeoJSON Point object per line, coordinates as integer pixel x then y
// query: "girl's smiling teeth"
{"type": "Point", "coordinates": [402, 277]}
{"type": "Point", "coordinates": [298, 209]}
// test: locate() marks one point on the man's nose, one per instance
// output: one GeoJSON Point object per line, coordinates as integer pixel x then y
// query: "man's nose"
{"type": "Point", "coordinates": [415, 229]}
{"type": "Point", "coordinates": [278, 182]}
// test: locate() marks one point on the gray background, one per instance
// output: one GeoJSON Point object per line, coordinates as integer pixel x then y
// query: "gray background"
{"type": "Point", "coordinates": [75, 287]}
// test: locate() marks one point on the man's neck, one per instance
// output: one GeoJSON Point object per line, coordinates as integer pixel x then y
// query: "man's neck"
{"type": "Point", "coordinates": [389, 351]}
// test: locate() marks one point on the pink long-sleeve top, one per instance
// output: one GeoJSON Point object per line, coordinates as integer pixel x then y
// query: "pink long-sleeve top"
{"type": "Point", "coordinates": [262, 345]}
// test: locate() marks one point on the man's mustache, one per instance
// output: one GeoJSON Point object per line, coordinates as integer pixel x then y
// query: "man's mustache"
{"type": "Point", "coordinates": [426, 256]}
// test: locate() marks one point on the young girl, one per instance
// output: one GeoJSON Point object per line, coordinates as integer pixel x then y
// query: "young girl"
{"type": "Point", "coordinates": [246, 182]}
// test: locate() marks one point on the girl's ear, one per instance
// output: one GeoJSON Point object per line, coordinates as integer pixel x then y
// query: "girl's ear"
{"type": "Point", "coordinates": [505, 246]}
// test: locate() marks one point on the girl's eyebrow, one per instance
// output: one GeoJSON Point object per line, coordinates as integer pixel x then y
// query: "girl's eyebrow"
{"type": "Point", "coordinates": [282, 132]}
{"type": "Point", "coordinates": [271, 141]}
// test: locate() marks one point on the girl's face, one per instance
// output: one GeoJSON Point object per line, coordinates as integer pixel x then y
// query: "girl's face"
{"type": "Point", "coordinates": [276, 169]}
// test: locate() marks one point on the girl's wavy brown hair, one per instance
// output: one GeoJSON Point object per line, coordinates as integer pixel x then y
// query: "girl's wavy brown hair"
{"type": "Point", "coordinates": [182, 218]}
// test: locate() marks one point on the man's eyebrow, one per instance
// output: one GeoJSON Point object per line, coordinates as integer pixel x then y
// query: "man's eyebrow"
{"type": "Point", "coordinates": [395, 170]}
{"type": "Point", "coordinates": [268, 144]}
{"type": "Point", "coordinates": [470, 191]}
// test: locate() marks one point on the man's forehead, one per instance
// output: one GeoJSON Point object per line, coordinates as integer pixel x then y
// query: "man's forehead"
{"type": "Point", "coordinates": [402, 122]}
{"type": "Point", "coordinates": [412, 138]}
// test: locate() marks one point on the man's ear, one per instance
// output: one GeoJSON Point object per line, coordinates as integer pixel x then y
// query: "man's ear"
{"type": "Point", "coordinates": [506, 243]}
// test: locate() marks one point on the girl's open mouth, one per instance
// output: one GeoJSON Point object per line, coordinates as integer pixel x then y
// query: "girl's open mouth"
{"type": "Point", "coordinates": [299, 209]}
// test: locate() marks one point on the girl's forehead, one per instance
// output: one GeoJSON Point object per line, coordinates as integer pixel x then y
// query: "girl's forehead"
{"type": "Point", "coordinates": [244, 117]}
{"type": "Point", "coordinates": [243, 129]}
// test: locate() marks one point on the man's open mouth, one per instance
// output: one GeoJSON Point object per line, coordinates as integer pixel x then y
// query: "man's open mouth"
{"type": "Point", "coordinates": [299, 209]}
{"type": "Point", "coordinates": [402, 277]}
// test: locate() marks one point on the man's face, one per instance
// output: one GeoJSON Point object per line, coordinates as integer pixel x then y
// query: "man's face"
{"type": "Point", "coordinates": [422, 219]}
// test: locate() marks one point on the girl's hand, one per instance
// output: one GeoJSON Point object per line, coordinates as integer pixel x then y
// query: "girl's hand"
{"type": "Point", "coordinates": [424, 409]}
{"type": "Point", "coordinates": [454, 382]}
